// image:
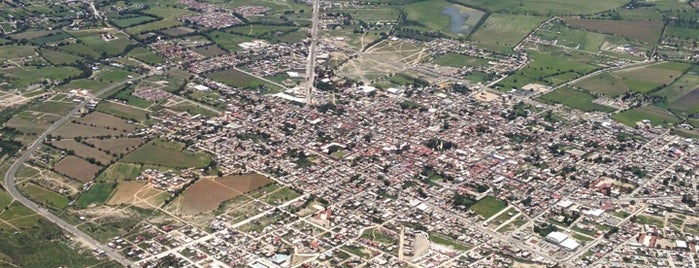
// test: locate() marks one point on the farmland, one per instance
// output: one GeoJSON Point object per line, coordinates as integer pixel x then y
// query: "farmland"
{"type": "Point", "coordinates": [547, 7]}
{"type": "Point", "coordinates": [120, 171]}
{"type": "Point", "coordinates": [43, 196]}
{"type": "Point", "coordinates": [73, 130]}
{"type": "Point", "coordinates": [77, 168]}
{"type": "Point", "coordinates": [645, 31]}
{"type": "Point", "coordinates": [546, 68]}
{"type": "Point", "coordinates": [570, 37]}
{"type": "Point", "coordinates": [170, 154]}
{"type": "Point", "coordinates": [83, 151]}
{"type": "Point", "coordinates": [502, 32]}
{"type": "Point", "coordinates": [443, 16]}
{"type": "Point", "coordinates": [116, 146]}
{"type": "Point", "coordinates": [575, 99]}
{"type": "Point", "coordinates": [98, 193]}
{"type": "Point", "coordinates": [606, 83]}
{"type": "Point", "coordinates": [137, 193]}
{"type": "Point", "coordinates": [145, 56]}
{"type": "Point", "coordinates": [459, 60]}
{"type": "Point", "coordinates": [122, 111]}
{"type": "Point", "coordinates": [97, 119]}
{"type": "Point", "coordinates": [238, 79]}
{"type": "Point", "coordinates": [207, 194]}
{"type": "Point", "coordinates": [655, 115]}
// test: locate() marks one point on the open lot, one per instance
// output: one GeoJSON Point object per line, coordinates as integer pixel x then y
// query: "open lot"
{"type": "Point", "coordinates": [137, 193]}
{"type": "Point", "coordinates": [77, 168]}
{"type": "Point", "coordinates": [207, 194]}
{"type": "Point", "coordinates": [488, 206]}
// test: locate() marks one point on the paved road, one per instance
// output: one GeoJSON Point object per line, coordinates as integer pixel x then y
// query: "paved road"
{"type": "Point", "coordinates": [26, 155]}
{"type": "Point", "coordinates": [311, 61]}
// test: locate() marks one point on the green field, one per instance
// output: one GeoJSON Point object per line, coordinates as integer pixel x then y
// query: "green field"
{"type": "Point", "coordinates": [575, 99]}
{"type": "Point", "coordinates": [169, 154]}
{"type": "Point", "coordinates": [239, 79]}
{"type": "Point", "coordinates": [122, 111]}
{"type": "Point", "coordinates": [448, 241]}
{"type": "Point", "coordinates": [98, 194]}
{"type": "Point", "coordinates": [488, 206]}
{"type": "Point", "coordinates": [573, 38]}
{"type": "Point", "coordinates": [502, 32]}
{"type": "Point", "coordinates": [53, 107]}
{"type": "Point", "coordinates": [459, 60]}
{"type": "Point", "coordinates": [657, 116]}
{"type": "Point", "coordinates": [109, 48]}
{"type": "Point", "coordinates": [169, 17]}
{"type": "Point", "coordinates": [605, 83]}
{"type": "Point", "coordinates": [11, 52]}
{"type": "Point", "coordinates": [193, 109]}
{"type": "Point", "coordinates": [546, 69]}
{"type": "Point", "coordinates": [59, 58]}
{"type": "Point", "coordinates": [430, 15]}
{"type": "Point", "coordinates": [80, 49]}
{"type": "Point", "coordinates": [120, 171]}
{"type": "Point", "coordinates": [228, 41]}
{"type": "Point", "coordinates": [125, 22]}
{"type": "Point", "coordinates": [547, 7]}
{"type": "Point", "coordinates": [46, 197]}
{"type": "Point", "coordinates": [24, 76]}
{"type": "Point", "coordinates": [145, 56]}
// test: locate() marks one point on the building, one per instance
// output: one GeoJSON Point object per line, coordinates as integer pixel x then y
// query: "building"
{"type": "Point", "coordinates": [556, 237]}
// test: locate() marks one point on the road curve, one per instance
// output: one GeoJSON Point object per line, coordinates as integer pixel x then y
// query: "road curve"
{"type": "Point", "coordinates": [12, 188]}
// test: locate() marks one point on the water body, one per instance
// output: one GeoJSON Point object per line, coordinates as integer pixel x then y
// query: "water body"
{"type": "Point", "coordinates": [458, 20]}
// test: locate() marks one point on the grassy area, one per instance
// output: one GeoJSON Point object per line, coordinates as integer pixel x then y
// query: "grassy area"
{"type": "Point", "coordinates": [11, 52]}
{"type": "Point", "coordinates": [650, 220]}
{"type": "Point", "coordinates": [548, 7]}
{"type": "Point", "coordinates": [228, 41]}
{"type": "Point", "coordinates": [605, 83]}
{"type": "Point", "coordinates": [169, 17]}
{"type": "Point", "coordinates": [193, 109]}
{"type": "Point", "coordinates": [24, 76]}
{"type": "Point", "coordinates": [59, 58]}
{"type": "Point", "coordinates": [98, 194]}
{"type": "Point", "coordinates": [280, 196]}
{"type": "Point", "coordinates": [43, 246]}
{"type": "Point", "coordinates": [239, 79]}
{"type": "Point", "coordinates": [573, 38]}
{"type": "Point", "coordinates": [442, 16]}
{"type": "Point", "coordinates": [575, 99]}
{"type": "Point", "coordinates": [447, 241]}
{"type": "Point", "coordinates": [502, 32]}
{"type": "Point", "coordinates": [168, 154]}
{"type": "Point", "coordinates": [46, 197]}
{"type": "Point", "coordinates": [145, 56]}
{"type": "Point", "coordinates": [380, 237]}
{"type": "Point", "coordinates": [122, 111]}
{"type": "Point", "coordinates": [488, 206]}
{"type": "Point", "coordinates": [120, 171]}
{"type": "Point", "coordinates": [59, 108]}
{"type": "Point", "coordinates": [657, 116]}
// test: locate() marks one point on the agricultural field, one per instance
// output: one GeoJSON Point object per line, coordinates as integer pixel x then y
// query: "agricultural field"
{"type": "Point", "coordinates": [650, 78]}
{"type": "Point", "coordinates": [44, 196]}
{"type": "Point", "coordinates": [59, 58]}
{"type": "Point", "coordinates": [229, 41]}
{"type": "Point", "coordinates": [77, 168]}
{"type": "Point", "coordinates": [83, 151]}
{"type": "Point", "coordinates": [169, 154]}
{"type": "Point", "coordinates": [116, 146]}
{"type": "Point", "coordinates": [131, 20]}
{"type": "Point", "coordinates": [137, 193]}
{"type": "Point", "coordinates": [169, 17]}
{"type": "Point", "coordinates": [575, 99]}
{"type": "Point", "coordinates": [657, 116]}
{"type": "Point", "coordinates": [645, 31]}
{"type": "Point", "coordinates": [606, 83]}
{"type": "Point", "coordinates": [120, 171]}
{"type": "Point", "coordinates": [235, 78]}
{"type": "Point", "coordinates": [209, 51]}
{"type": "Point", "coordinates": [547, 69]}
{"type": "Point", "coordinates": [547, 7]}
{"type": "Point", "coordinates": [442, 16]}
{"type": "Point", "coordinates": [122, 111]}
{"type": "Point", "coordinates": [73, 130]}
{"type": "Point", "coordinates": [110, 48]}
{"type": "Point", "coordinates": [97, 119]}
{"type": "Point", "coordinates": [570, 37]}
{"type": "Point", "coordinates": [146, 56]}
{"type": "Point", "coordinates": [683, 94]}
{"type": "Point", "coordinates": [25, 76]}
{"type": "Point", "coordinates": [54, 107]}
{"type": "Point", "coordinates": [207, 194]}
{"type": "Point", "coordinates": [98, 194]}
{"type": "Point", "coordinates": [501, 32]}
{"type": "Point", "coordinates": [11, 52]}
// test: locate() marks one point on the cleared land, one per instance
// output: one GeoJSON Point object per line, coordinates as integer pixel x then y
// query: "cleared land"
{"type": "Point", "coordinates": [83, 150]}
{"type": "Point", "coordinates": [170, 154]}
{"type": "Point", "coordinates": [97, 119]}
{"type": "Point", "coordinates": [72, 130]}
{"type": "Point", "coordinates": [137, 193]}
{"type": "Point", "coordinates": [645, 31]}
{"type": "Point", "coordinates": [77, 168]}
{"type": "Point", "coordinates": [207, 194]}
{"type": "Point", "coordinates": [488, 206]}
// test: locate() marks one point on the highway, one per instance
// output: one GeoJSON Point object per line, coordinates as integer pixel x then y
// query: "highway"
{"type": "Point", "coordinates": [310, 65]}
{"type": "Point", "coordinates": [26, 155]}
